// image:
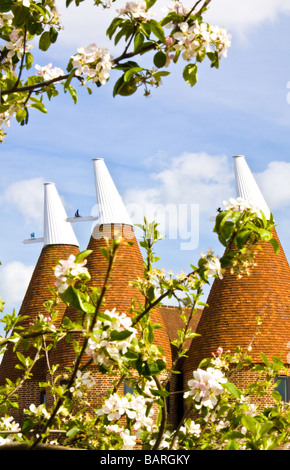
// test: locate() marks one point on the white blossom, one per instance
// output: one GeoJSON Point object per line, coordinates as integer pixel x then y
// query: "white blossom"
{"type": "Point", "coordinates": [129, 441]}
{"type": "Point", "coordinates": [83, 382]}
{"type": "Point", "coordinates": [39, 410]}
{"type": "Point", "coordinates": [191, 429]}
{"type": "Point", "coordinates": [6, 18]}
{"type": "Point", "coordinates": [114, 407]}
{"type": "Point", "coordinates": [47, 72]}
{"type": "Point", "coordinates": [16, 45]}
{"type": "Point", "coordinates": [214, 267]}
{"type": "Point", "coordinates": [68, 268]}
{"type": "Point", "coordinates": [133, 406]}
{"type": "Point", "coordinates": [197, 37]}
{"type": "Point", "coordinates": [137, 10]}
{"type": "Point", "coordinates": [241, 205]}
{"type": "Point", "coordinates": [25, 3]}
{"type": "Point", "coordinates": [101, 348]}
{"type": "Point", "coordinates": [93, 62]}
{"type": "Point", "coordinates": [206, 386]}
{"type": "Point", "coordinates": [178, 8]}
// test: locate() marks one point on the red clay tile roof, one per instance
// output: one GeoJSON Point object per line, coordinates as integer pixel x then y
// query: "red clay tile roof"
{"type": "Point", "coordinates": [37, 293]}
{"type": "Point", "coordinates": [173, 322]}
{"type": "Point", "coordinates": [234, 304]}
{"type": "Point", "coordinates": [128, 267]}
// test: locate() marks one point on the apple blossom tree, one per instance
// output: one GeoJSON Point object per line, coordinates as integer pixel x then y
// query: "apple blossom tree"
{"type": "Point", "coordinates": [25, 25]}
{"type": "Point", "coordinates": [218, 415]}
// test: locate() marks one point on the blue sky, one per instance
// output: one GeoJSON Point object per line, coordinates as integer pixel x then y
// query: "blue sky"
{"type": "Point", "coordinates": [173, 149]}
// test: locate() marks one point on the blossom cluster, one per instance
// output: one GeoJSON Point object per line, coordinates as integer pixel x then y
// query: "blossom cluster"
{"type": "Point", "coordinates": [212, 265]}
{"type": "Point", "coordinates": [38, 411]}
{"type": "Point", "coordinates": [241, 205]}
{"type": "Point", "coordinates": [48, 73]}
{"type": "Point", "coordinates": [190, 430]}
{"type": "Point", "coordinates": [136, 10]}
{"type": "Point", "coordinates": [6, 19]}
{"type": "Point", "coordinates": [8, 424]}
{"type": "Point", "coordinates": [67, 269]}
{"type": "Point", "coordinates": [17, 45]}
{"type": "Point", "coordinates": [133, 407]}
{"type": "Point", "coordinates": [83, 382]}
{"type": "Point", "coordinates": [8, 115]}
{"type": "Point", "coordinates": [44, 322]}
{"type": "Point", "coordinates": [93, 62]}
{"type": "Point", "coordinates": [101, 347]}
{"type": "Point", "coordinates": [129, 441]}
{"type": "Point", "coordinates": [198, 37]}
{"type": "Point", "coordinates": [205, 387]}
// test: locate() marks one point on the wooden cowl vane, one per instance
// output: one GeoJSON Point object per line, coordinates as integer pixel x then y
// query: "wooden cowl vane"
{"type": "Point", "coordinates": [113, 219]}
{"type": "Point", "coordinates": [234, 304]}
{"type": "Point", "coordinates": [59, 242]}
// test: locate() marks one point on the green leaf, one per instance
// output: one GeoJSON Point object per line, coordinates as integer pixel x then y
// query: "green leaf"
{"type": "Point", "coordinates": [53, 34]}
{"type": "Point", "coordinates": [73, 93]}
{"type": "Point", "coordinates": [154, 368]}
{"type": "Point", "coordinates": [159, 59]}
{"type": "Point", "coordinates": [159, 393]}
{"type": "Point", "coordinates": [5, 5]}
{"type": "Point", "coordinates": [21, 115]}
{"type": "Point", "coordinates": [44, 41]}
{"type": "Point", "coordinates": [104, 317]}
{"type": "Point", "coordinates": [190, 74]}
{"type": "Point", "coordinates": [37, 104]}
{"type": "Point", "coordinates": [129, 74]}
{"type": "Point", "coordinates": [242, 237]}
{"type": "Point", "coordinates": [150, 3]}
{"type": "Point", "coordinates": [265, 359]}
{"type": "Point", "coordinates": [73, 432]}
{"type": "Point", "coordinates": [113, 26]}
{"type": "Point", "coordinates": [230, 387]}
{"type": "Point", "coordinates": [171, 17]}
{"type": "Point", "coordinates": [82, 255]}
{"type": "Point", "coordinates": [275, 245]}
{"type": "Point", "coordinates": [138, 41]}
{"type": "Point", "coordinates": [71, 296]}
{"type": "Point", "coordinates": [250, 424]}
{"type": "Point", "coordinates": [124, 88]}
{"type": "Point", "coordinates": [232, 445]}
{"type": "Point", "coordinates": [120, 335]}
{"type": "Point", "coordinates": [157, 30]}
{"type": "Point", "coordinates": [28, 60]}
{"type": "Point", "coordinates": [214, 58]}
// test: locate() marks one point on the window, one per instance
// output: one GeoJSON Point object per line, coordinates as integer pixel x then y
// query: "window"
{"type": "Point", "coordinates": [283, 387]}
{"type": "Point", "coordinates": [127, 388]}
{"type": "Point", "coordinates": [43, 397]}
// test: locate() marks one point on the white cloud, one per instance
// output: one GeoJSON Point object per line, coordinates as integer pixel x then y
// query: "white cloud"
{"type": "Point", "coordinates": [87, 23]}
{"type": "Point", "coordinates": [274, 184]}
{"type": "Point", "coordinates": [14, 280]}
{"type": "Point", "coordinates": [26, 197]}
{"type": "Point", "coordinates": [183, 195]}
{"type": "Point", "coordinates": [246, 15]}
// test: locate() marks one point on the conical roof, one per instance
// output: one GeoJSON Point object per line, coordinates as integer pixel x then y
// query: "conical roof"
{"type": "Point", "coordinates": [246, 185]}
{"type": "Point", "coordinates": [57, 231]}
{"type": "Point", "coordinates": [234, 304]}
{"type": "Point", "coordinates": [110, 205]}
{"type": "Point", "coordinates": [128, 266]}
{"type": "Point", "coordinates": [59, 242]}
